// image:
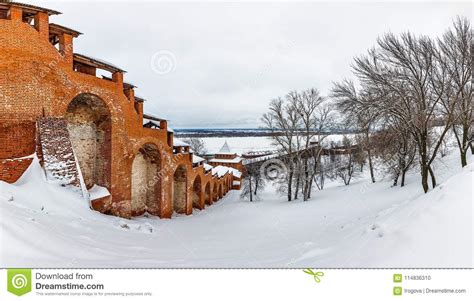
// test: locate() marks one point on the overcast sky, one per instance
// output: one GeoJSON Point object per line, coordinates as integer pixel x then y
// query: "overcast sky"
{"type": "Point", "coordinates": [228, 60]}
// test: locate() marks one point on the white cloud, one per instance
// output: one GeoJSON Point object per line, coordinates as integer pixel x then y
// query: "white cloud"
{"type": "Point", "coordinates": [232, 58]}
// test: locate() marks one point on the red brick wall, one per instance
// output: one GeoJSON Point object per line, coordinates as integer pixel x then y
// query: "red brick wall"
{"type": "Point", "coordinates": [16, 141]}
{"type": "Point", "coordinates": [11, 170]}
{"type": "Point", "coordinates": [37, 80]}
{"type": "Point", "coordinates": [17, 137]}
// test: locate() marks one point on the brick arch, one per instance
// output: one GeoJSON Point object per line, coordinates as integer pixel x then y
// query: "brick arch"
{"type": "Point", "coordinates": [139, 143]}
{"type": "Point", "coordinates": [215, 195]}
{"type": "Point", "coordinates": [180, 187]}
{"type": "Point", "coordinates": [114, 102]}
{"type": "Point", "coordinates": [220, 191]}
{"type": "Point", "coordinates": [198, 193]}
{"type": "Point", "coordinates": [208, 193]}
{"type": "Point", "coordinates": [146, 180]}
{"type": "Point", "coordinates": [226, 185]}
{"type": "Point", "coordinates": [90, 130]}
{"type": "Point", "coordinates": [84, 91]}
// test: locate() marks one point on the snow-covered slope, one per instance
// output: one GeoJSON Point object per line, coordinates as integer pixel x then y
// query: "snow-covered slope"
{"type": "Point", "coordinates": [361, 225]}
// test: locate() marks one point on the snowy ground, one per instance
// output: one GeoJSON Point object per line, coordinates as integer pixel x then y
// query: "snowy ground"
{"type": "Point", "coordinates": [362, 225]}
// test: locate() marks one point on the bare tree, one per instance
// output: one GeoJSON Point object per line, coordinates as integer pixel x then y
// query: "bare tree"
{"type": "Point", "coordinates": [298, 175]}
{"type": "Point", "coordinates": [352, 104]}
{"type": "Point", "coordinates": [397, 150]}
{"type": "Point", "coordinates": [361, 157]}
{"type": "Point", "coordinates": [197, 145]}
{"type": "Point", "coordinates": [408, 84]}
{"type": "Point", "coordinates": [307, 107]}
{"type": "Point", "coordinates": [324, 123]}
{"type": "Point", "coordinates": [299, 123]}
{"type": "Point", "coordinates": [321, 171]}
{"type": "Point", "coordinates": [282, 120]}
{"type": "Point", "coordinates": [456, 58]}
{"type": "Point", "coordinates": [345, 165]}
{"type": "Point", "coordinates": [253, 181]}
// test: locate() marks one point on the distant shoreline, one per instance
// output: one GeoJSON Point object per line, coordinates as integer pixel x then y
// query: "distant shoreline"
{"type": "Point", "coordinates": [236, 132]}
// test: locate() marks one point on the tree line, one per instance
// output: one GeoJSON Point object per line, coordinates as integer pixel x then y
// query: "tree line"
{"type": "Point", "coordinates": [408, 94]}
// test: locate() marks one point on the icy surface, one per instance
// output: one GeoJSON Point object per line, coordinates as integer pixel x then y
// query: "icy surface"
{"type": "Point", "coordinates": [362, 225]}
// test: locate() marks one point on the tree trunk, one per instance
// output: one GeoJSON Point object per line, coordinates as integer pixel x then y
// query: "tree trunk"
{"type": "Point", "coordinates": [369, 155]}
{"type": "Point", "coordinates": [321, 175]}
{"type": "Point", "coordinates": [250, 183]}
{"type": "Point", "coordinates": [310, 185]}
{"type": "Point", "coordinates": [316, 165]}
{"type": "Point", "coordinates": [371, 166]}
{"type": "Point", "coordinates": [395, 179]}
{"type": "Point", "coordinates": [463, 157]}
{"type": "Point", "coordinates": [433, 178]}
{"type": "Point", "coordinates": [472, 147]}
{"type": "Point", "coordinates": [257, 180]}
{"type": "Point", "coordinates": [290, 182]}
{"type": "Point", "coordinates": [462, 143]}
{"type": "Point", "coordinates": [297, 186]}
{"type": "Point", "coordinates": [424, 178]}
{"type": "Point", "coordinates": [306, 180]}
{"type": "Point", "coordinates": [423, 150]}
{"type": "Point", "coordinates": [403, 178]}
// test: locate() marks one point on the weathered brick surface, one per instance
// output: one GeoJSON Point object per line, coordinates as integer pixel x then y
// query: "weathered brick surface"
{"type": "Point", "coordinates": [37, 81]}
{"type": "Point", "coordinates": [58, 156]}
{"type": "Point", "coordinates": [17, 137]}
{"type": "Point", "coordinates": [16, 142]}
{"type": "Point", "coordinates": [89, 125]}
{"type": "Point", "coordinates": [145, 187]}
{"type": "Point", "coordinates": [12, 169]}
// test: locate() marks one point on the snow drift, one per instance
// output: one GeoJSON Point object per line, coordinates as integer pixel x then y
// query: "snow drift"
{"type": "Point", "coordinates": [361, 225]}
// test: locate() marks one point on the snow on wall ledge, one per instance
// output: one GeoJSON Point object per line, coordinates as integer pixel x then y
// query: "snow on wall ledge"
{"type": "Point", "coordinates": [46, 225]}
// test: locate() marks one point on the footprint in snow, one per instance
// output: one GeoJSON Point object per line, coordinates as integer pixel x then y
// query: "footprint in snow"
{"type": "Point", "coordinates": [6, 197]}
{"type": "Point", "coordinates": [377, 229]}
{"type": "Point", "coordinates": [125, 226]}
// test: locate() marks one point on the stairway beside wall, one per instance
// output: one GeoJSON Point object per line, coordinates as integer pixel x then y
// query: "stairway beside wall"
{"type": "Point", "coordinates": [58, 157]}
